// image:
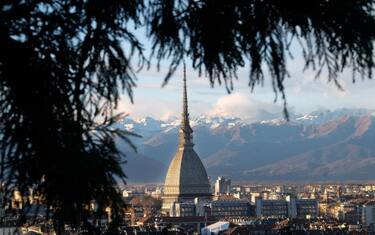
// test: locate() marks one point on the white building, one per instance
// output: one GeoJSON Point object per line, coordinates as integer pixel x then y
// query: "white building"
{"type": "Point", "coordinates": [215, 228]}
{"type": "Point", "coordinates": [222, 186]}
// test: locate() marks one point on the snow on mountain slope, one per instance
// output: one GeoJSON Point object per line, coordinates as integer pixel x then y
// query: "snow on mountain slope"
{"type": "Point", "coordinates": [250, 151]}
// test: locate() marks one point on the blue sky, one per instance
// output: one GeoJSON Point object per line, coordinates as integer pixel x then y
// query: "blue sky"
{"type": "Point", "coordinates": [304, 93]}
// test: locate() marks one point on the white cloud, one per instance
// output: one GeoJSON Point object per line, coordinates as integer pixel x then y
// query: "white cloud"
{"type": "Point", "coordinates": [238, 104]}
{"type": "Point", "coordinates": [304, 93]}
{"type": "Point", "coordinates": [245, 106]}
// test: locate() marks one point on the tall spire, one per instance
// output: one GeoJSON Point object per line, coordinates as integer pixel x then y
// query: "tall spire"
{"type": "Point", "coordinates": [186, 133]}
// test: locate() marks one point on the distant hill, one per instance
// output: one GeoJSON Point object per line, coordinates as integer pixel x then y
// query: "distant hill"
{"type": "Point", "coordinates": [336, 162]}
{"type": "Point", "coordinates": [139, 168]}
{"type": "Point", "coordinates": [320, 146]}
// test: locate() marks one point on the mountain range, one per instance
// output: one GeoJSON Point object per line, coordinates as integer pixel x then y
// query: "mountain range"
{"type": "Point", "coordinates": [320, 146]}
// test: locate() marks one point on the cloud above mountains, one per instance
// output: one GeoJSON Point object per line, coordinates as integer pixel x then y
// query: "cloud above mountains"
{"type": "Point", "coordinates": [304, 94]}
{"type": "Point", "coordinates": [241, 104]}
{"type": "Point", "coordinates": [237, 104]}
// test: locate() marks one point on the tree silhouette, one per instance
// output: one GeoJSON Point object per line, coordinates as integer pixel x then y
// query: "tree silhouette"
{"type": "Point", "coordinates": [220, 36]}
{"type": "Point", "coordinates": [64, 63]}
{"type": "Point", "coordinates": [61, 68]}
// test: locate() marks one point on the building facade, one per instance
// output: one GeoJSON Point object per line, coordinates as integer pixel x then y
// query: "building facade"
{"type": "Point", "coordinates": [231, 208]}
{"type": "Point", "coordinates": [183, 209]}
{"type": "Point", "coordinates": [368, 214]}
{"type": "Point", "coordinates": [272, 208]}
{"type": "Point", "coordinates": [303, 208]}
{"type": "Point", "coordinates": [287, 208]}
{"type": "Point", "coordinates": [350, 213]}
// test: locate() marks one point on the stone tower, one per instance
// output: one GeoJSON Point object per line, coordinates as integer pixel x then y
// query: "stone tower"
{"type": "Point", "coordinates": [186, 177]}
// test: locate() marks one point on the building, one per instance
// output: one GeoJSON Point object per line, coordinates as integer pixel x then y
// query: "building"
{"type": "Point", "coordinates": [303, 208]}
{"type": "Point", "coordinates": [272, 208]}
{"type": "Point", "coordinates": [232, 208]}
{"type": "Point", "coordinates": [17, 200]}
{"type": "Point", "coordinates": [215, 228]}
{"type": "Point", "coordinates": [368, 214]}
{"type": "Point", "coordinates": [129, 193]}
{"type": "Point", "coordinates": [186, 176]}
{"type": "Point", "coordinates": [191, 224]}
{"type": "Point", "coordinates": [222, 186]}
{"type": "Point", "coordinates": [2, 204]}
{"type": "Point", "coordinates": [253, 197]}
{"type": "Point", "coordinates": [157, 193]}
{"type": "Point", "coordinates": [219, 209]}
{"type": "Point", "coordinates": [291, 207]}
{"type": "Point", "coordinates": [183, 209]}
{"type": "Point", "coordinates": [350, 213]}
{"type": "Point", "coordinates": [307, 208]}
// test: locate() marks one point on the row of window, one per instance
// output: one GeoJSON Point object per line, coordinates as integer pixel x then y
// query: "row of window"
{"type": "Point", "coordinates": [230, 213]}
{"type": "Point", "coordinates": [229, 208]}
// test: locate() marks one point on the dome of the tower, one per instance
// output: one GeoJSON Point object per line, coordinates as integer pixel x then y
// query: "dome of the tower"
{"type": "Point", "coordinates": [186, 174]}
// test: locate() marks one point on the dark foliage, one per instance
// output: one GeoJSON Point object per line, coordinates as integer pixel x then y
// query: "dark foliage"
{"type": "Point", "coordinates": [61, 66]}
{"type": "Point", "coordinates": [220, 36]}
{"type": "Point", "coordinates": [64, 63]}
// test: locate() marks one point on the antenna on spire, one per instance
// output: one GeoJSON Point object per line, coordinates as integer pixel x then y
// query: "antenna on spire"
{"type": "Point", "coordinates": [184, 71]}
{"type": "Point", "coordinates": [185, 101]}
{"type": "Point", "coordinates": [186, 131]}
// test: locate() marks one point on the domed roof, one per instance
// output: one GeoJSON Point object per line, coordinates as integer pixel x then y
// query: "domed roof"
{"type": "Point", "coordinates": [186, 174]}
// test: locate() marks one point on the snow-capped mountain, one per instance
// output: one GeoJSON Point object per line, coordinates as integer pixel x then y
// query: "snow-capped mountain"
{"type": "Point", "coordinates": [325, 115]}
{"type": "Point", "coordinates": [148, 126]}
{"type": "Point", "coordinates": [316, 145]}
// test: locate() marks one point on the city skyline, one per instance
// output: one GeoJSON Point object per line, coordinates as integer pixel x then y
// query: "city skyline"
{"type": "Point", "coordinates": [93, 96]}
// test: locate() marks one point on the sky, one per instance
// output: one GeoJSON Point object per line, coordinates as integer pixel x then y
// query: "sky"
{"type": "Point", "coordinates": [304, 93]}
